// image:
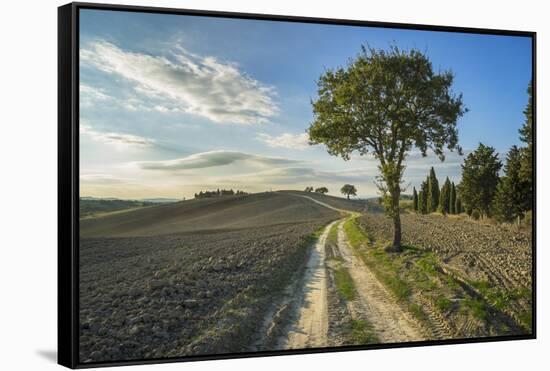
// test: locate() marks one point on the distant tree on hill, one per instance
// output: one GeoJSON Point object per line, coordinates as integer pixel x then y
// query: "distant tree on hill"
{"type": "Point", "coordinates": [479, 180]}
{"type": "Point", "coordinates": [452, 199]}
{"type": "Point", "coordinates": [219, 193]}
{"type": "Point", "coordinates": [308, 189]}
{"type": "Point", "coordinates": [433, 191]}
{"type": "Point", "coordinates": [349, 190]}
{"type": "Point", "coordinates": [415, 200]}
{"type": "Point", "coordinates": [321, 190]}
{"type": "Point", "coordinates": [445, 197]}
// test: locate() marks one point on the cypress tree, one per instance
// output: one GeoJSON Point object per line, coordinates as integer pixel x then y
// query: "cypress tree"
{"type": "Point", "coordinates": [415, 200]}
{"type": "Point", "coordinates": [479, 179]}
{"type": "Point", "coordinates": [526, 136]}
{"type": "Point", "coordinates": [452, 199]}
{"type": "Point", "coordinates": [433, 191]}
{"type": "Point", "coordinates": [423, 201]}
{"type": "Point", "coordinates": [511, 192]}
{"type": "Point", "coordinates": [445, 197]}
{"type": "Point", "coordinates": [458, 206]}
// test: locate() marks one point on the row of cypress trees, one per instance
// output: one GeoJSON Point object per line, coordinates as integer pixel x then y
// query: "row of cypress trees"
{"type": "Point", "coordinates": [432, 198]}
{"type": "Point", "coordinates": [483, 190]}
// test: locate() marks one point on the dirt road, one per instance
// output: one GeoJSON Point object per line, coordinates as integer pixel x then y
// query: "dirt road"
{"type": "Point", "coordinates": [373, 302]}
{"type": "Point", "coordinates": [391, 324]}
{"type": "Point", "coordinates": [311, 325]}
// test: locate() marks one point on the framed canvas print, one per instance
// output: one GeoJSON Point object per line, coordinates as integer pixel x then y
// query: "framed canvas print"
{"type": "Point", "coordinates": [236, 185]}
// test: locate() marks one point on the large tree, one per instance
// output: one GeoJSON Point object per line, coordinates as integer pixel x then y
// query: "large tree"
{"type": "Point", "coordinates": [512, 190]}
{"type": "Point", "coordinates": [526, 136]}
{"type": "Point", "coordinates": [348, 190]}
{"type": "Point", "coordinates": [433, 191]}
{"type": "Point", "coordinates": [386, 102]}
{"type": "Point", "coordinates": [479, 179]}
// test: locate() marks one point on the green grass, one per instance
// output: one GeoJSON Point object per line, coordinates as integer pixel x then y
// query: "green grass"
{"type": "Point", "coordinates": [344, 284]}
{"type": "Point", "coordinates": [504, 300]}
{"type": "Point", "coordinates": [378, 260]}
{"type": "Point", "coordinates": [332, 237]}
{"type": "Point", "coordinates": [442, 303]}
{"type": "Point", "coordinates": [362, 332]}
{"type": "Point", "coordinates": [476, 306]}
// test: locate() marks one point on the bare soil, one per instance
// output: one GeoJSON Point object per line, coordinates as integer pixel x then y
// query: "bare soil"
{"type": "Point", "coordinates": [190, 293]}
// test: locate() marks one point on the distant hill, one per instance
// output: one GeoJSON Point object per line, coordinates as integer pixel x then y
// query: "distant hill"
{"type": "Point", "coordinates": [229, 212]}
{"type": "Point", "coordinates": [90, 206]}
{"type": "Point", "coordinates": [337, 202]}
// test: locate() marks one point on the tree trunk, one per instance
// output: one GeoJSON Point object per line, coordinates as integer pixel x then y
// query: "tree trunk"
{"type": "Point", "coordinates": [395, 196]}
{"type": "Point", "coordinates": [348, 196]}
{"type": "Point", "coordinates": [396, 245]}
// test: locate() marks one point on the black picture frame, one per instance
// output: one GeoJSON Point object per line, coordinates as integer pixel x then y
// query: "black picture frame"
{"type": "Point", "coordinates": [68, 178]}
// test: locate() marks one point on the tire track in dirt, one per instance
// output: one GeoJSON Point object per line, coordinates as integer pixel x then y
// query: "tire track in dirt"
{"type": "Point", "coordinates": [310, 327]}
{"type": "Point", "coordinates": [391, 324]}
{"type": "Point", "coordinates": [374, 303]}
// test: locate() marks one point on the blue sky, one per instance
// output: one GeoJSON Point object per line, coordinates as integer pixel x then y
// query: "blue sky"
{"type": "Point", "coordinates": [174, 104]}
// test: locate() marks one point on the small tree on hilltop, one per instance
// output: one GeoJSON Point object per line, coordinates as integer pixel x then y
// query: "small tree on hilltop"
{"type": "Point", "coordinates": [349, 190]}
{"type": "Point", "coordinates": [321, 190]}
{"type": "Point", "coordinates": [386, 102]}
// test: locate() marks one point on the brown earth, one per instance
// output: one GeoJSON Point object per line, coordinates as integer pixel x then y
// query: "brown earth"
{"type": "Point", "coordinates": [190, 292]}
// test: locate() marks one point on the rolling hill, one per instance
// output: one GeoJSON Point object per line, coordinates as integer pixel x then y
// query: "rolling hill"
{"type": "Point", "coordinates": [228, 212]}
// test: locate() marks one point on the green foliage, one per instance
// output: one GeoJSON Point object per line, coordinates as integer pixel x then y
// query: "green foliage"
{"type": "Point", "coordinates": [479, 179]}
{"type": "Point", "coordinates": [219, 193]}
{"type": "Point", "coordinates": [526, 136]}
{"type": "Point", "coordinates": [386, 102]}
{"type": "Point", "coordinates": [452, 199]}
{"type": "Point", "coordinates": [445, 197]}
{"type": "Point", "coordinates": [423, 198]}
{"type": "Point", "coordinates": [433, 191]}
{"type": "Point", "coordinates": [475, 214]}
{"type": "Point", "coordinates": [458, 206]}
{"type": "Point", "coordinates": [348, 190]}
{"type": "Point", "coordinates": [415, 200]}
{"type": "Point", "coordinates": [321, 190]}
{"type": "Point", "coordinates": [512, 195]}
{"type": "Point", "coordinates": [308, 189]}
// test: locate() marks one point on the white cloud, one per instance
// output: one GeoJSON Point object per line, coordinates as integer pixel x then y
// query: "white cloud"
{"type": "Point", "coordinates": [285, 140]}
{"type": "Point", "coordinates": [203, 86]}
{"type": "Point", "coordinates": [212, 159]}
{"type": "Point", "coordinates": [90, 95]}
{"type": "Point", "coordinates": [117, 139]}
